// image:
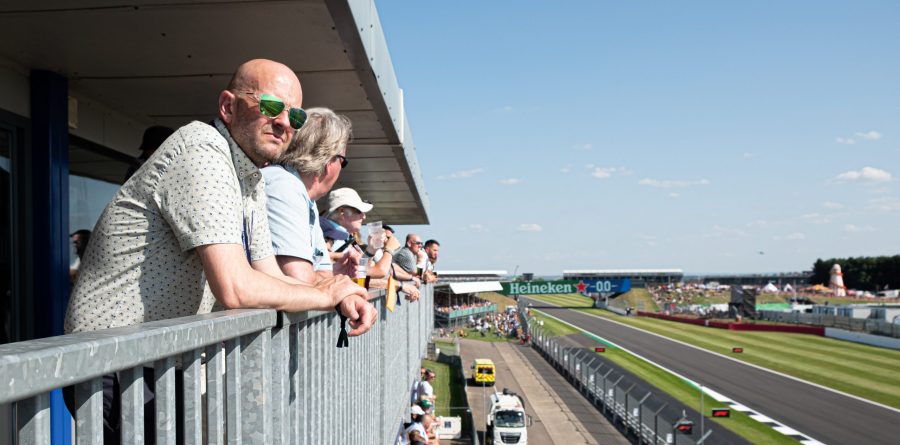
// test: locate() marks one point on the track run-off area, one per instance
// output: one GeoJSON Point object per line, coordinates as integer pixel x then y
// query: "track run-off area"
{"type": "Point", "coordinates": [820, 392]}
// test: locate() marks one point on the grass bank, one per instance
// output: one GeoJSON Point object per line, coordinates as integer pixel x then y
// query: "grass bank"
{"type": "Point", "coordinates": [861, 370]}
{"type": "Point", "coordinates": [450, 394]}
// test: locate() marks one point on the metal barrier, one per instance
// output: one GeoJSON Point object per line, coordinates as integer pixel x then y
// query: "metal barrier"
{"type": "Point", "coordinates": [638, 414]}
{"type": "Point", "coordinates": [868, 325]}
{"type": "Point", "coordinates": [270, 377]}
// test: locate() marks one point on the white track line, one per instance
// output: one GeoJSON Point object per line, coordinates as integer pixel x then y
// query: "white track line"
{"type": "Point", "coordinates": [774, 424]}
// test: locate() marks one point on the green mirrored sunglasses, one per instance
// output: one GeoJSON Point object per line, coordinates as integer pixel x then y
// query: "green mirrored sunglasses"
{"type": "Point", "coordinates": [272, 106]}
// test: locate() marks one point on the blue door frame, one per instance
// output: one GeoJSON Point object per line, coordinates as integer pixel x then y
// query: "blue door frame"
{"type": "Point", "coordinates": [44, 237]}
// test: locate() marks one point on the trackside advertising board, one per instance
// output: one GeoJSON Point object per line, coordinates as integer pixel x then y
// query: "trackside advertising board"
{"type": "Point", "coordinates": [566, 287]}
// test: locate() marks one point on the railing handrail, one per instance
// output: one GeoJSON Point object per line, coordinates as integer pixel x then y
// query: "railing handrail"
{"type": "Point", "coordinates": [36, 366]}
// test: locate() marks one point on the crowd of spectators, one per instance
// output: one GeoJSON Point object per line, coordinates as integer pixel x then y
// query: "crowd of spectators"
{"type": "Point", "coordinates": [500, 324]}
{"type": "Point", "coordinates": [421, 429]}
{"type": "Point", "coordinates": [457, 307]}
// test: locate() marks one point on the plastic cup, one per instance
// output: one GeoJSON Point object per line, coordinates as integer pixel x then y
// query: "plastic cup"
{"type": "Point", "coordinates": [361, 272]}
{"type": "Point", "coordinates": [376, 232]}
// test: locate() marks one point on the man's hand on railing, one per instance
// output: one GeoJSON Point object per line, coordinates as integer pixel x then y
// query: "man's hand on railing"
{"type": "Point", "coordinates": [412, 293]}
{"type": "Point", "coordinates": [360, 313]}
{"type": "Point", "coordinates": [339, 287]}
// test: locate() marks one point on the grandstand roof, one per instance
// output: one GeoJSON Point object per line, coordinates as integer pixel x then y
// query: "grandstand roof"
{"type": "Point", "coordinates": [632, 272]}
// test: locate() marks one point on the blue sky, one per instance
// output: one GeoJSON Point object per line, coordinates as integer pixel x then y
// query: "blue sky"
{"type": "Point", "coordinates": [611, 134]}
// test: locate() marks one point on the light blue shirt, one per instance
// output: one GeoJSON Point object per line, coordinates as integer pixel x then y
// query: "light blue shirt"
{"type": "Point", "coordinates": [293, 218]}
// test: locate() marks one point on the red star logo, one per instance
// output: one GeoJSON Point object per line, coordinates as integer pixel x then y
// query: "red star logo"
{"type": "Point", "coordinates": [581, 286]}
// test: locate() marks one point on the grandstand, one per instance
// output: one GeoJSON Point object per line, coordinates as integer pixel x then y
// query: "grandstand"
{"type": "Point", "coordinates": [639, 277]}
{"type": "Point", "coordinates": [795, 279]}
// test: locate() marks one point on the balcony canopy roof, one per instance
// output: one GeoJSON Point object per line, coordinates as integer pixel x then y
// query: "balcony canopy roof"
{"type": "Point", "coordinates": [165, 62]}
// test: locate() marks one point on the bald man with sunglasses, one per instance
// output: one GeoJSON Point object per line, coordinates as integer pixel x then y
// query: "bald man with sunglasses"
{"type": "Point", "coordinates": [195, 213]}
{"type": "Point", "coordinates": [196, 209]}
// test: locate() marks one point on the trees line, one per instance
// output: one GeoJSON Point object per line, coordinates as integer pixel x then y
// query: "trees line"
{"type": "Point", "coordinates": [864, 273]}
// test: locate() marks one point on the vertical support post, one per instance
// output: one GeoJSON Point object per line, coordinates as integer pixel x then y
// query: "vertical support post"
{"type": "Point", "coordinates": [34, 419]}
{"type": "Point", "coordinates": [89, 403]}
{"type": "Point", "coordinates": [215, 395]}
{"type": "Point", "coordinates": [256, 384]}
{"type": "Point", "coordinates": [193, 405]}
{"type": "Point", "coordinates": [45, 232]}
{"type": "Point", "coordinates": [164, 371]}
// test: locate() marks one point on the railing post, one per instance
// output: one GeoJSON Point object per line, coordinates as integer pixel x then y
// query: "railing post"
{"type": "Point", "coordinates": [34, 419]}
{"type": "Point", "coordinates": [233, 413]}
{"type": "Point", "coordinates": [215, 395]}
{"type": "Point", "coordinates": [164, 401]}
{"type": "Point", "coordinates": [89, 417]}
{"type": "Point", "coordinates": [193, 415]}
{"type": "Point", "coordinates": [131, 382]}
{"type": "Point", "coordinates": [279, 408]}
{"type": "Point", "coordinates": [256, 386]}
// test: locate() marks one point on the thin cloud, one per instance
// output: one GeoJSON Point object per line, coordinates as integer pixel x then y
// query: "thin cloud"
{"type": "Point", "coordinates": [603, 172]}
{"type": "Point", "coordinates": [510, 181]}
{"type": "Point", "coordinates": [669, 184]}
{"type": "Point", "coordinates": [725, 232]}
{"type": "Point", "coordinates": [885, 204]}
{"type": "Point", "coordinates": [845, 141]}
{"type": "Point", "coordinates": [478, 228]}
{"type": "Point", "coordinates": [748, 155]}
{"type": "Point", "coordinates": [530, 228]}
{"type": "Point", "coordinates": [462, 174]}
{"type": "Point", "coordinates": [853, 228]}
{"type": "Point", "coordinates": [832, 205]}
{"type": "Point", "coordinates": [816, 218]}
{"type": "Point", "coordinates": [565, 170]}
{"type": "Point", "coordinates": [583, 147]}
{"type": "Point", "coordinates": [796, 236]}
{"type": "Point", "coordinates": [608, 172]}
{"type": "Point", "coordinates": [869, 135]}
{"type": "Point", "coordinates": [867, 174]}
{"type": "Point", "coordinates": [504, 109]}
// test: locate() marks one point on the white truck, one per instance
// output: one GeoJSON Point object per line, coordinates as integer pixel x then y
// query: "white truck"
{"type": "Point", "coordinates": [506, 420]}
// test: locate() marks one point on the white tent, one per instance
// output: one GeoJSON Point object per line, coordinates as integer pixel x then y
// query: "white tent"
{"type": "Point", "coordinates": [771, 288]}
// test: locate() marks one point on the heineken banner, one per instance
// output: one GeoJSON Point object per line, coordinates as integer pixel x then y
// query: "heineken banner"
{"type": "Point", "coordinates": [566, 287]}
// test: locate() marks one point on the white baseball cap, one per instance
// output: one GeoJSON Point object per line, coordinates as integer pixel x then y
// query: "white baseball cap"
{"type": "Point", "coordinates": [347, 197]}
{"type": "Point", "coordinates": [417, 410]}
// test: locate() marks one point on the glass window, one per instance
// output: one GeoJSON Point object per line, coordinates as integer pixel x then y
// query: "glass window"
{"type": "Point", "coordinates": [95, 173]}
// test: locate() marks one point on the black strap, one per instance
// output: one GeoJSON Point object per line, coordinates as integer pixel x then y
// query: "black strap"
{"type": "Point", "coordinates": [343, 340]}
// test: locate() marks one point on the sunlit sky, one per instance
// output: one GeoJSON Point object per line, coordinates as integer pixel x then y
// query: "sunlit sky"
{"type": "Point", "coordinates": [733, 137]}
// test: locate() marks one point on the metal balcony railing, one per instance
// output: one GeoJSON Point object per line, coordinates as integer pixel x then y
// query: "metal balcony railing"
{"type": "Point", "coordinates": [269, 377]}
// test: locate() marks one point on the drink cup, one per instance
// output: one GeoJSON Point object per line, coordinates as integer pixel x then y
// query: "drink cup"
{"type": "Point", "coordinates": [376, 234]}
{"type": "Point", "coordinates": [361, 272]}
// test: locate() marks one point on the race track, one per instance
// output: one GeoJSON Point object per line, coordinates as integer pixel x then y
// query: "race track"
{"type": "Point", "coordinates": [824, 415]}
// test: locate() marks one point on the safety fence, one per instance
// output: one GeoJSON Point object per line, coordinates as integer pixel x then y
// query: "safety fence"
{"type": "Point", "coordinates": [245, 376]}
{"type": "Point", "coordinates": [638, 413]}
{"type": "Point", "coordinates": [868, 325]}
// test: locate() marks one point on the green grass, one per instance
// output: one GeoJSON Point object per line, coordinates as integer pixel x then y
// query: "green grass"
{"type": "Point", "coordinates": [552, 327]}
{"type": "Point", "coordinates": [638, 298]}
{"type": "Point", "coordinates": [448, 389]}
{"type": "Point", "coordinates": [739, 423]}
{"type": "Point", "coordinates": [861, 370]}
{"type": "Point", "coordinates": [502, 301]}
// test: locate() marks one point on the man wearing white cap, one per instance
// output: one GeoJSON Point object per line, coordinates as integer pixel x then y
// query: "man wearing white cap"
{"type": "Point", "coordinates": [344, 217]}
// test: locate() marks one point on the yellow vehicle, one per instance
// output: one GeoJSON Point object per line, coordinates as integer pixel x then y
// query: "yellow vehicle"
{"type": "Point", "coordinates": [483, 372]}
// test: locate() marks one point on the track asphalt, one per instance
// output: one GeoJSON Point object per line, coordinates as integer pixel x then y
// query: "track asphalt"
{"type": "Point", "coordinates": [826, 416]}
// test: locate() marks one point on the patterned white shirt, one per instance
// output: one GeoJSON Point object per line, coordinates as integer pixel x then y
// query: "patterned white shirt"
{"type": "Point", "coordinates": [199, 188]}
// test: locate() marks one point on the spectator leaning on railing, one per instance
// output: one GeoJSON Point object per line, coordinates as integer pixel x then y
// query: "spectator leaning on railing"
{"type": "Point", "coordinates": [305, 172]}
{"type": "Point", "coordinates": [196, 210]}
{"type": "Point", "coordinates": [432, 248]}
{"type": "Point", "coordinates": [405, 260]}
